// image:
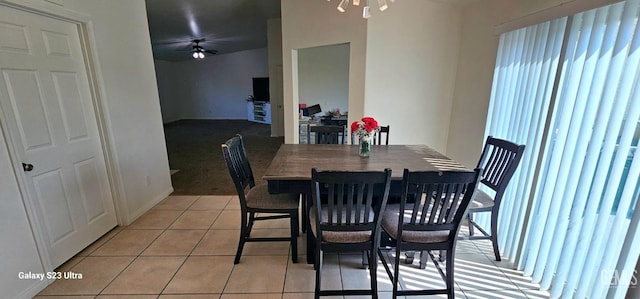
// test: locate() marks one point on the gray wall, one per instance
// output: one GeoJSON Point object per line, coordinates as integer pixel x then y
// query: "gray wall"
{"type": "Point", "coordinates": [213, 88]}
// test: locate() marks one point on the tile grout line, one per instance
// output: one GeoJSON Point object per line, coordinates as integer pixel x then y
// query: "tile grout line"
{"type": "Point", "coordinates": [139, 255]}
{"type": "Point", "coordinates": [191, 252]}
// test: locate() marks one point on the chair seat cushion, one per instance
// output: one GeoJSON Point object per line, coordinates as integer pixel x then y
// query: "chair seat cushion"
{"type": "Point", "coordinates": [481, 200]}
{"type": "Point", "coordinates": [336, 236]}
{"type": "Point", "coordinates": [259, 197]}
{"type": "Point", "coordinates": [390, 219]}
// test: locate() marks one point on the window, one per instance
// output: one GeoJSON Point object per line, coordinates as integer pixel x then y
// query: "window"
{"type": "Point", "coordinates": [570, 90]}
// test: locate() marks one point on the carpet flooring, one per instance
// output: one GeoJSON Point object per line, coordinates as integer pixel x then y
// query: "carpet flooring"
{"type": "Point", "coordinates": [193, 147]}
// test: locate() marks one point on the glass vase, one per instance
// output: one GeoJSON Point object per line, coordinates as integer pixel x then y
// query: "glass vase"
{"type": "Point", "coordinates": [365, 147]}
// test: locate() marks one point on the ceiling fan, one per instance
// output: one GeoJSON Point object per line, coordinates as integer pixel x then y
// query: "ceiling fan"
{"type": "Point", "coordinates": [197, 51]}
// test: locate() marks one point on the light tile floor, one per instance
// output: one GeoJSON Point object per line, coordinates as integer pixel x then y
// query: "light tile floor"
{"type": "Point", "coordinates": [184, 248]}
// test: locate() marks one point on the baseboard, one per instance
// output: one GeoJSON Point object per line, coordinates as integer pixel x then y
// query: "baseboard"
{"type": "Point", "coordinates": [133, 216]}
{"type": "Point", "coordinates": [166, 122]}
{"type": "Point", "coordinates": [33, 290]}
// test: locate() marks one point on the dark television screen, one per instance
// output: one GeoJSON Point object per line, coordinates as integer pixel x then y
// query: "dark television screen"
{"type": "Point", "coordinates": [261, 89]}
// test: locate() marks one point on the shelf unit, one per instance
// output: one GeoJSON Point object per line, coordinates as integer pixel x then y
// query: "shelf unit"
{"type": "Point", "coordinates": [259, 112]}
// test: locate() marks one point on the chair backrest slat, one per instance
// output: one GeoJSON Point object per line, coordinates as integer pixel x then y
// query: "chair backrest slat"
{"type": "Point", "coordinates": [350, 200]}
{"type": "Point", "coordinates": [440, 199]}
{"type": "Point", "coordinates": [377, 139]}
{"type": "Point", "coordinates": [499, 159]}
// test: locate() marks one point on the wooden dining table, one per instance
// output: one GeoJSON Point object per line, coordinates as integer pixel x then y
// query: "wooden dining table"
{"type": "Point", "coordinates": [290, 169]}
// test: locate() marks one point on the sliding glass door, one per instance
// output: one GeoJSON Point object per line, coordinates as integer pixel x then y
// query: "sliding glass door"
{"type": "Point", "coordinates": [570, 90]}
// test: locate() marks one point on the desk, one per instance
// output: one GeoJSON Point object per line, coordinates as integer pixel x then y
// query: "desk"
{"type": "Point", "coordinates": [290, 169]}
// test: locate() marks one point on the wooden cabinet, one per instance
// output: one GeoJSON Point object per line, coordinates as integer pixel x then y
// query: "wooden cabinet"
{"type": "Point", "coordinates": [259, 112]}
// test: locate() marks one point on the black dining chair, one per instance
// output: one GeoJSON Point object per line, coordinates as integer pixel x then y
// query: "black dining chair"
{"type": "Point", "coordinates": [345, 217]}
{"type": "Point", "coordinates": [327, 134]}
{"type": "Point", "coordinates": [500, 159]}
{"type": "Point", "coordinates": [255, 198]}
{"type": "Point", "coordinates": [428, 218]}
{"type": "Point", "coordinates": [378, 138]}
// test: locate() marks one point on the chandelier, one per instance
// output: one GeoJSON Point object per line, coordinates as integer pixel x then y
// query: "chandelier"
{"type": "Point", "coordinates": [382, 5]}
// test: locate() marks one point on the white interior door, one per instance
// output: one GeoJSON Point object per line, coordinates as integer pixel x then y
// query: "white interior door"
{"type": "Point", "coordinates": [49, 115]}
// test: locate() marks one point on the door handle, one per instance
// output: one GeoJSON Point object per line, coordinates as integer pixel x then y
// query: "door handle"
{"type": "Point", "coordinates": [27, 167]}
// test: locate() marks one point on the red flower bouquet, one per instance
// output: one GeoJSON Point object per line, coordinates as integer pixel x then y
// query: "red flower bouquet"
{"type": "Point", "coordinates": [365, 128]}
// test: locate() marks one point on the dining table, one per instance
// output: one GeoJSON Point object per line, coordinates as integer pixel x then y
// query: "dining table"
{"type": "Point", "coordinates": [290, 169]}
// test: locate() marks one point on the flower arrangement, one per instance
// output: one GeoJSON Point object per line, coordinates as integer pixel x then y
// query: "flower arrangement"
{"type": "Point", "coordinates": [365, 128]}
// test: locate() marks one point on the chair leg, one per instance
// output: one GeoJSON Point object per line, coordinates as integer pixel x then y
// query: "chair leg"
{"type": "Point", "coordinates": [373, 266]}
{"type": "Point", "coordinates": [409, 256]}
{"type": "Point", "coordinates": [450, 272]}
{"type": "Point", "coordinates": [494, 234]}
{"type": "Point", "coordinates": [245, 230]}
{"type": "Point", "coordinates": [294, 236]}
{"type": "Point", "coordinates": [318, 266]}
{"type": "Point", "coordinates": [252, 217]}
{"type": "Point", "coordinates": [470, 223]}
{"type": "Point", "coordinates": [365, 260]}
{"type": "Point", "coordinates": [396, 272]}
{"type": "Point", "coordinates": [443, 254]}
{"type": "Point", "coordinates": [423, 259]}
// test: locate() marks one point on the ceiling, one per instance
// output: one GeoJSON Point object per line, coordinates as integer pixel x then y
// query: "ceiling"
{"type": "Point", "coordinates": [226, 25]}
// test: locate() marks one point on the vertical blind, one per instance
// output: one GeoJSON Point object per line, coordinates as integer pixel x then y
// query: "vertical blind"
{"type": "Point", "coordinates": [569, 89]}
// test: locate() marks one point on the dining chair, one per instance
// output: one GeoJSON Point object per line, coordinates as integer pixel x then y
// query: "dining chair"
{"type": "Point", "coordinates": [255, 198]}
{"type": "Point", "coordinates": [500, 159]}
{"type": "Point", "coordinates": [327, 134]}
{"type": "Point", "coordinates": [345, 217]}
{"type": "Point", "coordinates": [377, 139]}
{"type": "Point", "coordinates": [334, 122]}
{"type": "Point", "coordinates": [428, 218]}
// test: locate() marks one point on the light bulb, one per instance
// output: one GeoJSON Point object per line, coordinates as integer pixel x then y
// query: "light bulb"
{"type": "Point", "coordinates": [195, 55]}
{"type": "Point", "coordinates": [342, 7]}
{"type": "Point", "coordinates": [356, 2]}
{"type": "Point", "coordinates": [382, 4]}
{"type": "Point", "coordinates": [200, 55]}
{"type": "Point", "coordinates": [366, 13]}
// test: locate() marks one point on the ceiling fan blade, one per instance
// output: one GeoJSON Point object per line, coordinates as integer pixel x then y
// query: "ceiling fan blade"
{"type": "Point", "coordinates": [213, 52]}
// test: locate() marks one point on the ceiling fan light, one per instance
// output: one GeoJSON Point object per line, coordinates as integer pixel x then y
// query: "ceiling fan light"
{"type": "Point", "coordinates": [382, 5]}
{"type": "Point", "coordinates": [200, 55]}
{"type": "Point", "coordinates": [195, 55]}
{"type": "Point", "coordinates": [366, 13]}
{"type": "Point", "coordinates": [342, 7]}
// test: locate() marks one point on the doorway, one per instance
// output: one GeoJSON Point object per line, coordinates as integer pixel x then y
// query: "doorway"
{"type": "Point", "coordinates": [323, 77]}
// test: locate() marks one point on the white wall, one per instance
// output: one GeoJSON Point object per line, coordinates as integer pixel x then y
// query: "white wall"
{"type": "Point", "coordinates": [130, 101]}
{"type": "Point", "coordinates": [168, 91]}
{"type": "Point", "coordinates": [323, 77]}
{"type": "Point", "coordinates": [311, 23]}
{"type": "Point", "coordinates": [212, 88]}
{"type": "Point", "coordinates": [482, 21]}
{"type": "Point", "coordinates": [412, 56]}
{"type": "Point", "coordinates": [274, 51]}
